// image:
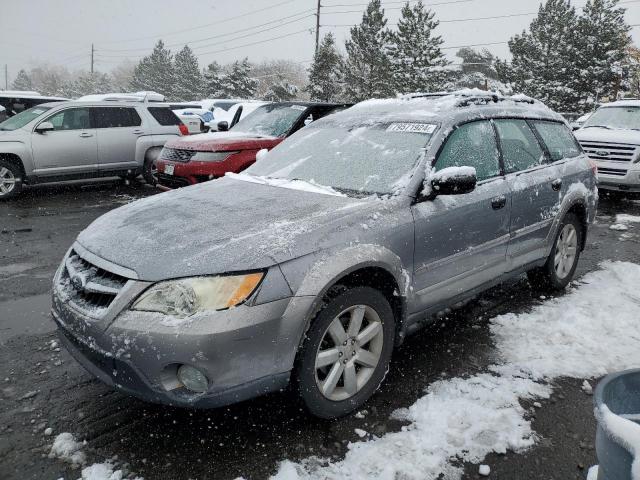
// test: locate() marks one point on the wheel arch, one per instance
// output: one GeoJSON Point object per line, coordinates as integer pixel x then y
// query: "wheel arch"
{"type": "Point", "coordinates": [378, 268]}
{"type": "Point", "coordinates": [14, 159]}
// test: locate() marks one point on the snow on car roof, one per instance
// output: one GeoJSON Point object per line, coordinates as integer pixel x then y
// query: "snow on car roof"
{"type": "Point", "coordinates": [621, 103]}
{"type": "Point", "coordinates": [450, 105]}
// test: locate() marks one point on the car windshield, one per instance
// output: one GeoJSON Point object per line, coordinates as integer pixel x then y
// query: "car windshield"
{"type": "Point", "coordinates": [627, 118]}
{"type": "Point", "coordinates": [353, 159]}
{"type": "Point", "coordinates": [271, 120]}
{"type": "Point", "coordinates": [23, 118]}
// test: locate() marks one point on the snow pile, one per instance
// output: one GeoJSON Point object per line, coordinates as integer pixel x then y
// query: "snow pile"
{"type": "Point", "coordinates": [67, 448]}
{"type": "Point", "coordinates": [590, 331]}
{"type": "Point", "coordinates": [622, 221]}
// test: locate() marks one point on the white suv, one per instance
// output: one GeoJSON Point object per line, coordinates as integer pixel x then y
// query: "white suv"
{"type": "Point", "coordinates": [611, 137]}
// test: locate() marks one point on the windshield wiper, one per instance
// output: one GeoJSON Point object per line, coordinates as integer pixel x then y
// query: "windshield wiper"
{"type": "Point", "coordinates": [597, 126]}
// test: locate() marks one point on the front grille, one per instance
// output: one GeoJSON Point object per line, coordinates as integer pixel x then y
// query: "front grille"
{"type": "Point", "coordinates": [90, 288]}
{"type": "Point", "coordinates": [618, 172]}
{"type": "Point", "coordinates": [611, 152]}
{"type": "Point", "coordinates": [175, 155]}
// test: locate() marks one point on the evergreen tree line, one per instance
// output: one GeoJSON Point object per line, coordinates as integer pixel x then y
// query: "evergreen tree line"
{"type": "Point", "coordinates": [568, 60]}
{"type": "Point", "coordinates": [178, 77]}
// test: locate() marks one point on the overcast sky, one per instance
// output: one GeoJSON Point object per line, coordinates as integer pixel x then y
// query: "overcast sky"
{"type": "Point", "coordinates": [62, 31]}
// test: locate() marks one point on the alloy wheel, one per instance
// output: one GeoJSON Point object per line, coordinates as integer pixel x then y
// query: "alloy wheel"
{"type": "Point", "coordinates": [349, 352]}
{"type": "Point", "coordinates": [566, 249]}
{"type": "Point", "coordinates": [7, 181]}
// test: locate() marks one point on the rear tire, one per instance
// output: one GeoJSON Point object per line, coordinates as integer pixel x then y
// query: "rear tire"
{"type": "Point", "coordinates": [346, 352]}
{"type": "Point", "coordinates": [561, 265]}
{"type": "Point", "coordinates": [10, 179]}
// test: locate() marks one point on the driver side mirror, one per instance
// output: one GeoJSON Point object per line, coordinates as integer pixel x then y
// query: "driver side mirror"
{"type": "Point", "coordinates": [45, 127]}
{"type": "Point", "coordinates": [223, 126]}
{"type": "Point", "coordinates": [453, 181]}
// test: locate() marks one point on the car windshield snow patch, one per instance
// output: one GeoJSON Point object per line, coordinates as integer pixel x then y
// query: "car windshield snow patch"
{"type": "Point", "coordinates": [351, 158]}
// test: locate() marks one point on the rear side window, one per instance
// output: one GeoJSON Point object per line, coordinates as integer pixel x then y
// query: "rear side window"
{"type": "Point", "coordinates": [114, 117]}
{"type": "Point", "coordinates": [472, 145]}
{"type": "Point", "coordinates": [559, 140]}
{"type": "Point", "coordinates": [520, 147]}
{"type": "Point", "coordinates": [164, 116]}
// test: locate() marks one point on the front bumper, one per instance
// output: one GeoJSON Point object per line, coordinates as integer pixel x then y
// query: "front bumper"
{"type": "Point", "coordinates": [244, 352]}
{"type": "Point", "coordinates": [619, 176]}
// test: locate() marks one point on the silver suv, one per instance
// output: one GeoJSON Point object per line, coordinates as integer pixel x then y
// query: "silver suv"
{"type": "Point", "coordinates": [312, 264]}
{"type": "Point", "coordinates": [72, 140]}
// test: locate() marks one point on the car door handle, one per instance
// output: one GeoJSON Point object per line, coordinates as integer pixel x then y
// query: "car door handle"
{"type": "Point", "coordinates": [556, 184]}
{"type": "Point", "coordinates": [138, 132]}
{"type": "Point", "coordinates": [498, 202]}
{"type": "Point", "coordinates": [86, 134]}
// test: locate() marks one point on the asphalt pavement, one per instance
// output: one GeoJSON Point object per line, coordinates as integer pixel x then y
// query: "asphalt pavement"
{"type": "Point", "coordinates": [42, 386]}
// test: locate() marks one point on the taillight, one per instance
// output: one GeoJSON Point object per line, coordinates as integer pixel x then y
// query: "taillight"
{"type": "Point", "coordinates": [183, 129]}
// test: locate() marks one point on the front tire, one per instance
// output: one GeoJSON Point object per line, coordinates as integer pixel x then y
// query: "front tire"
{"type": "Point", "coordinates": [150, 170]}
{"type": "Point", "coordinates": [561, 265]}
{"type": "Point", "coordinates": [10, 180]}
{"type": "Point", "coordinates": [346, 352]}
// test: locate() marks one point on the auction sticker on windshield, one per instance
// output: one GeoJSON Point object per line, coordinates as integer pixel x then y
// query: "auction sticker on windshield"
{"type": "Point", "coordinates": [298, 107]}
{"type": "Point", "coordinates": [428, 128]}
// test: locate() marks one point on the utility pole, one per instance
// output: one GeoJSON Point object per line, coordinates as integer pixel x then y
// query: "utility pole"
{"type": "Point", "coordinates": [6, 76]}
{"type": "Point", "coordinates": [92, 58]}
{"type": "Point", "coordinates": [318, 26]}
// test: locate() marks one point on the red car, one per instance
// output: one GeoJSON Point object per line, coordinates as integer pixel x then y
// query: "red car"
{"type": "Point", "coordinates": [198, 158]}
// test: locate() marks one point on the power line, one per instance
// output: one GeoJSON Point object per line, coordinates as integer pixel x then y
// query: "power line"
{"type": "Point", "coordinates": [306, 30]}
{"type": "Point", "coordinates": [222, 35]}
{"type": "Point", "coordinates": [224, 20]}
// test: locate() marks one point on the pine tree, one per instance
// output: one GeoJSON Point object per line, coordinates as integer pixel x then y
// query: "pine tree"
{"type": "Point", "coordinates": [367, 70]}
{"type": "Point", "coordinates": [189, 82]}
{"type": "Point", "coordinates": [22, 81]}
{"type": "Point", "coordinates": [604, 41]}
{"type": "Point", "coordinates": [88, 83]}
{"type": "Point", "coordinates": [213, 81]}
{"type": "Point", "coordinates": [281, 91]}
{"type": "Point", "coordinates": [481, 61]}
{"type": "Point", "coordinates": [155, 72]}
{"type": "Point", "coordinates": [238, 82]}
{"type": "Point", "coordinates": [543, 64]}
{"type": "Point", "coordinates": [324, 73]}
{"type": "Point", "coordinates": [415, 51]}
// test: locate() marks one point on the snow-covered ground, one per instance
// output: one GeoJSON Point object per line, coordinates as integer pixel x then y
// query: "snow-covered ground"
{"type": "Point", "coordinates": [590, 331]}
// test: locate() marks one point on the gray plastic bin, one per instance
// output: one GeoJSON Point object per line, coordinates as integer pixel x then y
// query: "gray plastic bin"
{"type": "Point", "coordinates": [620, 392]}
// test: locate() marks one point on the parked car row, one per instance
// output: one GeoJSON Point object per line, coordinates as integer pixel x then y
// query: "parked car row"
{"type": "Point", "coordinates": [311, 265]}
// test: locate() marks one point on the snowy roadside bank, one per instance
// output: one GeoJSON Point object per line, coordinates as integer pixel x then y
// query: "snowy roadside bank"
{"type": "Point", "coordinates": [590, 331]}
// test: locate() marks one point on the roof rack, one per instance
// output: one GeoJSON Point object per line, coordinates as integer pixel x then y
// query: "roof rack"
{"type": "Point", "coordinates": [472, 97]}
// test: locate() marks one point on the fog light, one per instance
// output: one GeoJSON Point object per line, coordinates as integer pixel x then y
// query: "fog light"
{"type": "Point", "coordinates": [192, 378]}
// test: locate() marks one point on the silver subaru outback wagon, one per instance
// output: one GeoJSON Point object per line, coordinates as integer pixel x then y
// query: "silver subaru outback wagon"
{"type": "Point", "coordinates": [76, 139]}
{"type": "Point", "coordinates": [310, 266]}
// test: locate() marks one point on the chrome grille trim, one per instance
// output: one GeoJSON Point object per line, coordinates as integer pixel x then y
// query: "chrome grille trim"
{"type": "Point", "coordinates": [610, 152]}
{"type": "Point", "coordinates": [91, 289]}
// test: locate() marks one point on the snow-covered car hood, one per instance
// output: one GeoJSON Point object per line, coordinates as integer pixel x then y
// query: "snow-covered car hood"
{"type": "Point", "coordinates": [597, 134]}
{"type": "Point", "coordinates": [222, 226]}
{"type": "Point", "coordinates": [223, 141]}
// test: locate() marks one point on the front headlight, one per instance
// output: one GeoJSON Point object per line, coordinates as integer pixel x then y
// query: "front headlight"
{"type": "Point", "coordinates": [185, 297]}
{"type": "Point", "coordinates": [211, 156]}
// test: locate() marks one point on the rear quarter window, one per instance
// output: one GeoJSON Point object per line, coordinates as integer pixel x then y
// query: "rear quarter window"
{"type": "Point", "coordinates": [558, 138]}
{"type": "Point", "coordinates": [164, 116]}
